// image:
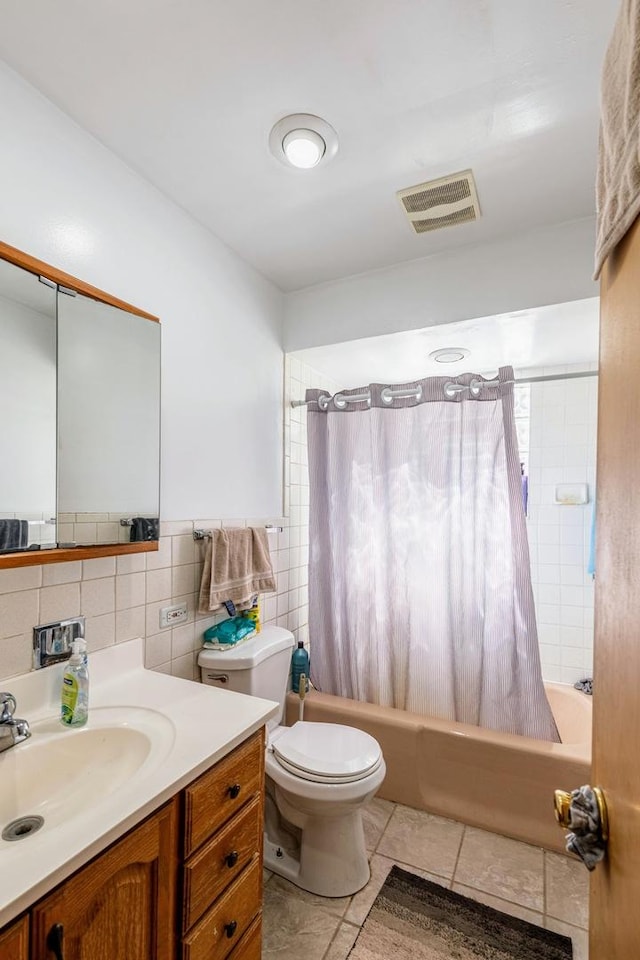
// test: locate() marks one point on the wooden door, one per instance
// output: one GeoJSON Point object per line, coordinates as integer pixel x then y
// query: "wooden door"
{"type": "Point", "coordinates": [14, 941]}
{"type": "Point", "coordinates": [122, 905]}
{"type": "Point", "coordinates": [615, 887]}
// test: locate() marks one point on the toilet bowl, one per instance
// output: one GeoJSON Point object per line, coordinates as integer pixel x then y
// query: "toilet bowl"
{"type": "Point", "coordinates": [321, 775]}
{"type": "Point", "coordinates": [318, 775]}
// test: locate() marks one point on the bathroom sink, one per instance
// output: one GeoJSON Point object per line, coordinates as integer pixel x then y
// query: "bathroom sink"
{"type": "Point", "coordinates": [61, 771]}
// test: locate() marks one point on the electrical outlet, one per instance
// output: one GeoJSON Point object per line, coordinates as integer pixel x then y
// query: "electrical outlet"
{"type": "Point", "coordinates": [172, 616]}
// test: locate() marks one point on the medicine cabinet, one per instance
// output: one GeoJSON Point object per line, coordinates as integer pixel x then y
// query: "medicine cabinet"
{"type": "Point", "coordinates": [79, 418]}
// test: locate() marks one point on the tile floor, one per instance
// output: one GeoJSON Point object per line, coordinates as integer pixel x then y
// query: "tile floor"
{"type": "Point", "coordinates": [541, 887]}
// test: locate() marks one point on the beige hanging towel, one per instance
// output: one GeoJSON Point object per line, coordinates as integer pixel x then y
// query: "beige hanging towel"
{"type": "Point", "coordinates": [618, 180]}
{"type": "Point", "coordinates": [237, 566]}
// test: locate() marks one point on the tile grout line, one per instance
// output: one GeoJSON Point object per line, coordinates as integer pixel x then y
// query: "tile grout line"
{"type": "Point", "coordinates": [455, 868]}
{"type": "Point", "coordinates": [384, 830]}
{"type": "Point", "coordinates": [333, 938]}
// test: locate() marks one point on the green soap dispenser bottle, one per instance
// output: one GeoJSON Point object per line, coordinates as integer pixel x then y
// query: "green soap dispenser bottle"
{"type": "Point", "coordinates": [74, 706]}
{"type": "Point", "coordinates": [299, 665]}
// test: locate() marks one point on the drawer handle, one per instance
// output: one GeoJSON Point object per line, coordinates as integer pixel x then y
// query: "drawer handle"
{"type": "Point", "coordinates": [234, 790]}
{"type": "Point", "coordinates": [231, 858]}
{"type": "Point", "coordinates": [230, 929]}
{"type": "Point", "coordinates": [54, 941]}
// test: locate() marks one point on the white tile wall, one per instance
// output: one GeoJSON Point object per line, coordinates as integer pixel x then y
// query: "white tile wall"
{"type": "Point", "coordinates": [563, 435]}
{"type": "Point", "coordinates": [295, 604]}
{"type": "Point", "coordinates": [121, 597]}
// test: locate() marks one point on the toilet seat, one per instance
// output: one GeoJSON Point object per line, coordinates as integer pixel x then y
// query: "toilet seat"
{"type": "Point", "coordinates": [329, 753]}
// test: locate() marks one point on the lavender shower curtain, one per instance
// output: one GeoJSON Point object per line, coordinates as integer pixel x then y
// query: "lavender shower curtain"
{"type": "Point", "coordinates": [420, 587]}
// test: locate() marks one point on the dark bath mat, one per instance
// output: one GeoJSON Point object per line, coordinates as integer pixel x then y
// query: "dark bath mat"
{"type": "Point", "coordinates": [414, 919]}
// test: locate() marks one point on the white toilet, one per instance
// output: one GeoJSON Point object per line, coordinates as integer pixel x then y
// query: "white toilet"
{"type": "Point", "coordinates": [319, 775]}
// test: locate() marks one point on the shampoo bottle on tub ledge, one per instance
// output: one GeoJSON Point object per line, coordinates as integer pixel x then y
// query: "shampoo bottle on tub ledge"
{"type": "Point", "coordinates": [299, 665]}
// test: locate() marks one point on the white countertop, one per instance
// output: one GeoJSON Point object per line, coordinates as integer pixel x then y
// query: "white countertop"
{"type": "Point", "coordinates": [199, 724]}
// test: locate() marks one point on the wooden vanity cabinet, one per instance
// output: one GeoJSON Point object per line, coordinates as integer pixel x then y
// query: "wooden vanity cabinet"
{"type": "Point", "coordinates": [222, 872]}
{"type": "Point", "coordinates": [119, 907]}
{"type": "Point", "coordinates": [14, 941]}
{"type": "Point", "coordinates": [186, 884]}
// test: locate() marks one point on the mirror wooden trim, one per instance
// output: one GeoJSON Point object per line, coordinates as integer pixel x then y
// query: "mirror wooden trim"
{"type": "Point", "coordinates": [32, 558]}
{"type": "Point", "coordinates": [39, 267]}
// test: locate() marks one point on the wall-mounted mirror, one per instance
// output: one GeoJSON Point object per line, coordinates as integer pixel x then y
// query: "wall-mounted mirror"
{"type": "Point", "coordinates": [79, 419]}
{"type": "Point", "coordinates": [108, 423]}
{"type": "Point", "coordinates": [27, 410]}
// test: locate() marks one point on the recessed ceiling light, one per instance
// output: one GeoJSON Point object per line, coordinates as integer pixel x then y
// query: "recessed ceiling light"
{"type": "Point", "coordinates": [302, 140]}
{"type": "Point", "coordinates": [449, 354]}
{"type": "Point", "coordinates": [304, 148]}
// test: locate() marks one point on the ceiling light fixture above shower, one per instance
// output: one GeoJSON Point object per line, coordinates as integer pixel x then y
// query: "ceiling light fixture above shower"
{"type": "Point", "coordinates": [303, 140]}
{"type": "Point", "coordinates": [449, 354]}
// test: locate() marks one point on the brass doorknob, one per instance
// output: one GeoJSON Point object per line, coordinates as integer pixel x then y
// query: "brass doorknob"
{"type": "Point", "coordinates": [562, 805]}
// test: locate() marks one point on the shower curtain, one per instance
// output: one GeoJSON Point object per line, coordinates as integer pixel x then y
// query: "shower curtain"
{"type": "Point", "coordinates": [419, 578]}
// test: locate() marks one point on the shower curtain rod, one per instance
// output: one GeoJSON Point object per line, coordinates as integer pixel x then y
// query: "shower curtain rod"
{"type": "Point", "coordinates": [391, 394]}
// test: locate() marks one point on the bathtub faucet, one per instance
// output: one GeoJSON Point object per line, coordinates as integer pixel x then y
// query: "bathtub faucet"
{"type": "Point", "coordinates": [12, 731]}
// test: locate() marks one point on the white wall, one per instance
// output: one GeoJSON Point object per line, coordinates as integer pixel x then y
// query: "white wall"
{"type": "Point", "coordinates": [69, 201]}
{"type": "Point", "coordinates": [548, 266]}
{"type": "Point", "coordinates": [563, 434]}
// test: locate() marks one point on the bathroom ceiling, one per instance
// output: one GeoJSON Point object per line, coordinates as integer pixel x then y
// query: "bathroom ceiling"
{"type": "Point", "coordinates": [555, 336]}
{"type": "Point", "coordinates": [187, 92]}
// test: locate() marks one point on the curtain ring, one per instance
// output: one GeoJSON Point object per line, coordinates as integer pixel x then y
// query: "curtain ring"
{"type": "Point", "coordinates": [386, 395]}
{"type": "Point", "coordinates": [475, 387]}
{"type": "Point", "coordinates": [339, 401]}
{"type": "Point", "coordinates": [451, 390]}
{"type": "Point", "coordinates": [323, 401]}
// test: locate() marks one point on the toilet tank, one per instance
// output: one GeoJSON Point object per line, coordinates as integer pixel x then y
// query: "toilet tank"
{"type": "Point", "coordinates": [258, 667]}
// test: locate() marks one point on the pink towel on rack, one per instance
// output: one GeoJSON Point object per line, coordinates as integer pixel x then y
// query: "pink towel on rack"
{"type": "Point", "coordinates": [237, 566]}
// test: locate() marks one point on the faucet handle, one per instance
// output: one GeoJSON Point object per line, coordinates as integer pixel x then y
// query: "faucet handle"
{"type": "Point", "coordinates": [8, 706]}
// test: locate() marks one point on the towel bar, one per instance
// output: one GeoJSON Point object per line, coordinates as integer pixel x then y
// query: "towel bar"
{"type": "Point", "coordinates": [206, 534]}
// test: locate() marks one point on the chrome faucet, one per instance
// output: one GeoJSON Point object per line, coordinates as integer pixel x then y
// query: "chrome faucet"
{"type": "Point", "coordinates": [11, 731]}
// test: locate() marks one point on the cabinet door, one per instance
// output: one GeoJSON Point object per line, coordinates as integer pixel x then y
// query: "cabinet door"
{"type": "Point", "coordinates": [121, 906]}
{"type": "Point", "coordinates": [14, 941]}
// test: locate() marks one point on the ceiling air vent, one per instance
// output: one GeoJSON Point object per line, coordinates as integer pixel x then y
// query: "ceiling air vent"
{"type": "Point", "coordinates": [441, 203]}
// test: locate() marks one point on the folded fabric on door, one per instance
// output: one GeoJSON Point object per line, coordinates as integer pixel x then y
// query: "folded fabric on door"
{"type": "Point", "coordinates": [618, 178]}
{"type": "Point", "coordinates": [237, 566]}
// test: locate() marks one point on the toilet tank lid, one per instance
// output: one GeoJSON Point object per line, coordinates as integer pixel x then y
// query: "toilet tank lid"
{"type": "Point", "coordinates": [248, 653]}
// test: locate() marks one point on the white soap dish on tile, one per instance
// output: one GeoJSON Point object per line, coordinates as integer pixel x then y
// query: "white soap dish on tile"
{"type": "Point", "coordinates": [572, 494]}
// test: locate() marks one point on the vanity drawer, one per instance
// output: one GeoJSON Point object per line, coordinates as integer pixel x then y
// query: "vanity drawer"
{"type": "Point", "coordinates": [213, 867]}
{"type": "Point", "coordinates": [223, 927]}
{"type": "Point", "coordinates": [250, 947]}
{"type": "Point", "coordinates": [217, 794]}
